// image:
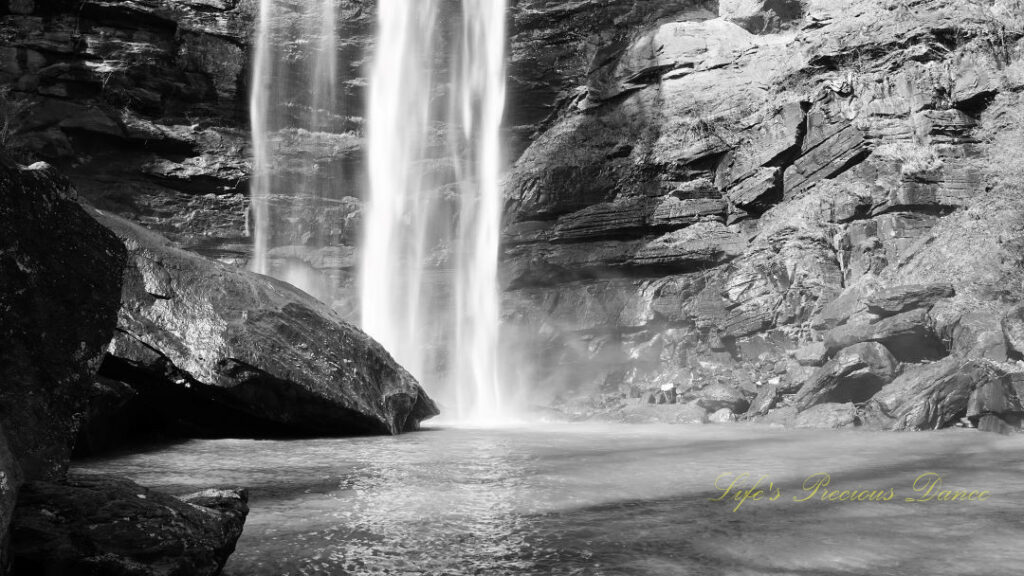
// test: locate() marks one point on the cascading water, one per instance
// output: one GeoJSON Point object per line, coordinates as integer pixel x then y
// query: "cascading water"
{"type": "Point", "coordinates": [429, 274]}
{"type": "Point", "coordinates": [297, 133]}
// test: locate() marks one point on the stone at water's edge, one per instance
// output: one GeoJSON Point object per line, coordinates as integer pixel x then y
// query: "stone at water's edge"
{"type": "Point", "coordinates": [60, 280]}
{"type": "Point", "coordinates": [249, 353]}
{"type": "Point", "coordinates": [102, 525]}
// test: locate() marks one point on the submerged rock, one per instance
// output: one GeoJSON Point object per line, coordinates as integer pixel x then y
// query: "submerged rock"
{"type": "Point", "coordinates": [98, 525]}
{"type": "Point", "coordinates": [60, 280]}
{"type": "Point", "coordinates": [240, 353]}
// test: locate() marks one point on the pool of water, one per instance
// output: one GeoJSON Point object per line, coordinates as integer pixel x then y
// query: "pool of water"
{"type": "Point", "coordinates": [611, 500]}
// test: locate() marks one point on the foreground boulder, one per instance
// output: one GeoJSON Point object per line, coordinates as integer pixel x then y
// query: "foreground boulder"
{"type": "Point", "coordinates": [60, 281]}
{"type": "Point", "coordinates": [247, 354]}
{"type": "Point", "coordinates": [98, 525]}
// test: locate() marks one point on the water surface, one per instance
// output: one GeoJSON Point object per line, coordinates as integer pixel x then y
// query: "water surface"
{"type": "Point", "coordinates": [605, 500]}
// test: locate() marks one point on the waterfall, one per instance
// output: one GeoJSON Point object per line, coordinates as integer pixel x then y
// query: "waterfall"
{"type": "Point", "coordinates": [430, 227]}
{"type": "Point", "coordinates": [429, 270]}
{"type": "Point", "coordinates": [297, 130]}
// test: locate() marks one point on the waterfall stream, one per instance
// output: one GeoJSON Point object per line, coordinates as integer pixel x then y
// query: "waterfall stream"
{"type": "Point", "coordinates": [431, 222]}
{"type": "Point", "coordinates": [429, 284]}
{"type": "Point", "coordinates": [298, 130]}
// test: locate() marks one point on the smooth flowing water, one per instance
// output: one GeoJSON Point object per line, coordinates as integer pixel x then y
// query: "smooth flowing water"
{"type": "Point", "coordinates": [607, 500]}
{"type": "Point", "coordinates": [299, 133]}
{"type": "Point", "coordinates": [429, 288]}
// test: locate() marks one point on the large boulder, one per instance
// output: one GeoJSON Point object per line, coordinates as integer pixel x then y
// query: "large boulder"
{"type": "Point", "coordinates": [854, 375]}
{"type": "Point", "coordinates": [247, 353]}
{"type": "Point", "coordinates": [60, 286]}
{"type": "Point", "coordinates": [98, 525]}
{"type": "Point", "coordinates": [928, 396]}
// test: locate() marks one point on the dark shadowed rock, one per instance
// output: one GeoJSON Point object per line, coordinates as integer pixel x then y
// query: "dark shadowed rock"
{"type": "Point", "coordinates": [760, 16]}
{"type": "Point", "coordinates": [853, 375]}
{"type": "Point", "coordinates": [891, 301]}
{"type": "Point", "coordinates": [831, 415]}
{"type": "Point", "coordinates": [109, 418]}
{"type": "Point", "coordinates": [909, 336]}
{"type": "Point", "coordinates": [249, 350]}
{"type": "Point", "coordinates": [99, 526]}
{"type": "Point", "coordinates": [928, 396]}
{"type": "Point", "coordinates": [10, 483]}
{"type": "Point", "coordinates": [60, 280]}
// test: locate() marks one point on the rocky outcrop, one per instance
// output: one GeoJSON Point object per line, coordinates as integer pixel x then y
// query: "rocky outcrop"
{"type": "Point", "coordinates": [929, 396]}
{"type": "Point", "coordinates": [102, 525]}
{"type": "Point", "coordinates": [840, 159]}
{"type": "Point", "coordinates": [237, 352]}
{"type": "Point", "coordinates": [60, 280]}
{"type": "Point", "coordinates": [142, 104]}
{"type": "Point", "coordinates": [854, 375]}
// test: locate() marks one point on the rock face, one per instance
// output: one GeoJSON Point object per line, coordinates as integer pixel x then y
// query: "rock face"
{"type": "Point", "coordinates": [60, 277]}
{"type": "Point", "coordinates": [142, 104]}
{"type": "Point", "coordinates": [738, 200]}
{"type": "Point", "coordinates": [244, 353]}
{"type": "Point", "coordinates": [103, 525]}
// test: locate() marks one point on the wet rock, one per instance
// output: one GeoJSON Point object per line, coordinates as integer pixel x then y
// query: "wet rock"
{"type": "Point", "coordinates": [60, 284]}
{"type": "Point", "coordinates": [909, 336]}
{"type": "Point", "coordinates": [898, 299]}
{"type": "Point", "coordinates": [855, 374]}
{"type": "Point", "coordinates": [237, 352]}
{"type": "Point", "coordinates": [929, 396]}
{"type": "Point", "coordinates": [831, 416]}
{"type": "Point", "coordinates": [101, 525]}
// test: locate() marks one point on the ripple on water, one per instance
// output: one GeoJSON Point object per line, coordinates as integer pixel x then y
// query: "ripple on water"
{"type": "Point", "coordinates": [602, 501]}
